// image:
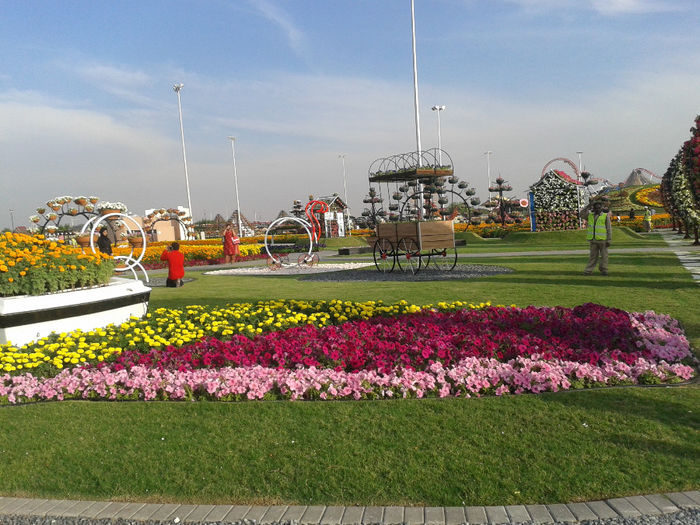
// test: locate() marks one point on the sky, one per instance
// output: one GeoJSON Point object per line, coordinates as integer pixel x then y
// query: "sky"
{"type": "Point", "coordinates": [87, 105]}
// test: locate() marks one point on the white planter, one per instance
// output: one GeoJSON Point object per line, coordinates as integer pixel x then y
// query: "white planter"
{"type": "Point", "coordinates": [29, 317]}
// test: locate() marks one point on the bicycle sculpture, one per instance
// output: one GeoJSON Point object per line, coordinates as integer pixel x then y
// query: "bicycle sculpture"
{"type": "Point", "coordinates": [136, 238]}
{"type": "Point", "coordinates": [418, 231]}
{"type": "Point", "coordinates": [313, 231]}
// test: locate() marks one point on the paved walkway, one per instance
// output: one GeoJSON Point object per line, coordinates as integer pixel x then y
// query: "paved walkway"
{"type": "Point", "coordinates": [688, 254]}
{"type": "Point", "coordinates": [633, 507]}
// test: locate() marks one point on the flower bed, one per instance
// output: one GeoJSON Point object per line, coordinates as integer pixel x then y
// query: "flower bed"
{"type": "Point", "coordinates": [34, 265]}
{"type": "Point", "coordinates": [202, 253]}
{"type": "Point", "coordinates": [648, 196]}
{"type": "Point", "coordinates": [343, 350]}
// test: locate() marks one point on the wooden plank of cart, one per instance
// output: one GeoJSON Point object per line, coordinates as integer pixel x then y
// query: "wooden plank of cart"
{"type": "Point", "coordinates": [415, 245]}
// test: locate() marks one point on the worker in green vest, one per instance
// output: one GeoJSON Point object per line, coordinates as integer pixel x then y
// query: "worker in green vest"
{"type": "Point", "coordinates": [599, 235]}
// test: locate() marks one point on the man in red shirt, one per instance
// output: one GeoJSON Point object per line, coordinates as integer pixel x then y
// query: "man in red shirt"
{"type": "Point", "coordinates": [176, 265]}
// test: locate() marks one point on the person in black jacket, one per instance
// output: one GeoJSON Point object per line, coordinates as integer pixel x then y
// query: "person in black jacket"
{"type": "Point", "coordinates": [103, 242]}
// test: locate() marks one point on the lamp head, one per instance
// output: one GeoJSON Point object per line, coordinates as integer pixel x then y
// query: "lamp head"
{"type": "Point", "coordinates": [178, 87]}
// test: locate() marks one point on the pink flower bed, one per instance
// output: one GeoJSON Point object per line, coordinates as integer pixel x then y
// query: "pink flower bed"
{"type": "Point", "coordinates": [463, 353]}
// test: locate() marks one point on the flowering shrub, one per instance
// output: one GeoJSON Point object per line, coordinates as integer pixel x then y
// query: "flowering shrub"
{"type": "Point", "coordinates": [556, 220]}
{"type": "Point", "coordinates": [191, 251]}
{"type": "Point", "coordinates": [442, 350]}
{"type": "Point", "coordinates": [649, 196]}
{"type": "Point", "coordinates": [33, 265]}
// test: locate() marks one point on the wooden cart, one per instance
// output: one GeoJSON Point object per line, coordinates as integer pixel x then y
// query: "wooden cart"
{"type": "Point", "coordinates": [415, 245]}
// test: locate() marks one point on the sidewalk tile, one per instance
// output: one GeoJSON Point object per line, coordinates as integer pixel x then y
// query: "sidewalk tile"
{"type": "Point", "coordinates": [454, 516]}
{"type": "Point", "coordinates": [582, 511]}
{"type": "Point", "coordinates": [294, 513]}
{"type": "Point", "coordinates": [332, 515]}
{"type": "Point", "coordinates": [539, 513]}
{"type": "Point", "coordinates": [497, 514]}
{"type": "Point", "coordinates": [182, 513]}
{"type": "Point", "coordinates": [517, 513]}
{"type": "Point", "coordinates": [94, 509]}
{"type": "Point", "coordinates": [352, 516]}
{"type": "Point", "coordinates": [235, 513]}
{"type": "Point", "coordinates": [219, 512]}
{"type": "Point", "coordinates": [14, 504]}
{"type": "Point", "coordinates": [77, 510]}
{"type": "Point", "coordinates": [373, 515]}
{"type": "Point", "coordinates": [662, 503]}
{"type": "Point", "coordinates": [164, 512]}
{"type": "Point", "coordinates": [28, 509]}
{"type": "Point", "coordinates": [312, 515]}
{"type": "Point", "coordinates": [694, 495]}
{"type": "Point", "coordinates": [561, 513]}
{"type": "Point", "coordinates": [434, 516]}
{"type": "Point", "coordinates": [199, 513]}
{"type": "Point", "coordinates": [146, 511]}
{"type": "Point", "coordinates": [62, 507]}
{"type": "Point", "coordinates": [129, 510]}
{"type": "Point", "coordinates": [413, 515]}
{"type": "Point", "coordinates": [255, 513]}
{"type": "Point", "coordinates": [393, 515]}
{"type": "Point", "coordinates": [45, 508]}
{"type": "Point", "coordinates": [476, 515]}
{"type": "Point", "coordinates": [623, 507]}
{"type": "Point", "coordinates": [643, 505]}
{"type": "Point", "coordinates": [274, 514]}
{"type": "Point", "coordinates": [602, 509]}
{"type": "Point", "coordinates": [681, 500]}
{"type": "Point", "coordinates": [110, 510]}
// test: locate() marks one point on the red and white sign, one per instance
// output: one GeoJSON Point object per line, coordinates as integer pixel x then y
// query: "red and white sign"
{"type": "Point", "coordinates": [523, 203]}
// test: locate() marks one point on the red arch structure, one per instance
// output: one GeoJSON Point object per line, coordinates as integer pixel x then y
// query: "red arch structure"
{"type": "Point", "coordinates": [565, 161]}
{"type": "Point", "coordinates": [647, 172]}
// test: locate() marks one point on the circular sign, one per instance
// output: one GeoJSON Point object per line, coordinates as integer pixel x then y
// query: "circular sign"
{"type": "Point", "coordinates": [523, 203]}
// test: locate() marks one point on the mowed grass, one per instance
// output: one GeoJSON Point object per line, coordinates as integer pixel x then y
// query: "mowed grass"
{"type": "Point", "coordinates": [556, 447]}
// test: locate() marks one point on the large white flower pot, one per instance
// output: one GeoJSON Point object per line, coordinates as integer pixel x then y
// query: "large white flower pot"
{"type": "Point", "coordinates": [29, 317]}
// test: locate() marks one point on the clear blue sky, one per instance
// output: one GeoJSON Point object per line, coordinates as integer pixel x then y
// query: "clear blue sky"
{"type": "Point", "coordinates": [87, 106]}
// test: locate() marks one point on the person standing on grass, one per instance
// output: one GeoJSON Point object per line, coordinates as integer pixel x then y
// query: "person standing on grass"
{"type": "Point", "coordinates": [648, 226]}
{"type": "Point", "coordinates": [231, 244]}
{"type": "Point", "coordinates": [176, 265]}
{"type": "Point", "coordinates": [599, 236]}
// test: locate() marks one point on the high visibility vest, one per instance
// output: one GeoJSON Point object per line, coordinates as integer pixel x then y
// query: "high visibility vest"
{"type": "Point", "coordinates": [596, 228]}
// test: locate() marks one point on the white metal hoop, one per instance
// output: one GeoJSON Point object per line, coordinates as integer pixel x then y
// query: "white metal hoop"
{"type": "Point", "coordinates": [277, 222]}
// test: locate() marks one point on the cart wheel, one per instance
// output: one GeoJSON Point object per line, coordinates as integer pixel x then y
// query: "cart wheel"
{"type": "Point", "coordinates": [444, 260]}
{"type": "Point", "coordinates": [384, 258]}
{"type": "Point", "coordinates": [408, 256]}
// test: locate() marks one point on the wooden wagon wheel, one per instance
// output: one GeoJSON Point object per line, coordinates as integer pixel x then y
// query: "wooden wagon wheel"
{"type": "Point", "coordinates": [443, 259]}
{"type": "Point", "coordinates": [408, 255]}
{"type": "Point", "coordinates": [384, 255]}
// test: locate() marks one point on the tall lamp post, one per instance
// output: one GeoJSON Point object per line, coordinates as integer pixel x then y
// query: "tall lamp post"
{"type": "Point", "coordinates": [177, 88]}
{"type": "Point", "coordinates": [488, 168]}
{"type": "Point", "coordinates": [235, 183]}
{"type": "Point", "coordinates": [578, 189]}
{"type": "Point", "coordinates": [438, 109]}
{"type": "Point", "coordinates": [345, 194]}
{"type": "Point", "coordinates": [12, 219]}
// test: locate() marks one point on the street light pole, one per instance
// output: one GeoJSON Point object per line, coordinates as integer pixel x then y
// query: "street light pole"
{"type": "Point", "coordinates": [177, 88]}
{"type": "Point", "coordinates": [578, 189]}
{"type": "Point", "coordinates": [12, 219]}
{"type": "Point", "coordinates": [488, 169]}
{"type": "Point", "coordinates": [345, 194]}
{"type": "Point", "coordinates": [415, 84]}
{"type": "Point", "coordinates": [235, 182]}
{"type": "Point", "coordinates": [438, 109]}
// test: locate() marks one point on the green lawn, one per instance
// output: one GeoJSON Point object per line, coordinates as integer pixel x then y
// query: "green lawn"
{"type": "Point", "coordinates": [556, 447]}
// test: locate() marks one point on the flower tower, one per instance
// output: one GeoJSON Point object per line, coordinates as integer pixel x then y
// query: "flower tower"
{"type": "Point", "coordinates": [556, 197]}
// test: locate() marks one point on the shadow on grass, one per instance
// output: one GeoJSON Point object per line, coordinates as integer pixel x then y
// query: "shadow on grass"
{"type": "Point", "coordinates": [653, 403]}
